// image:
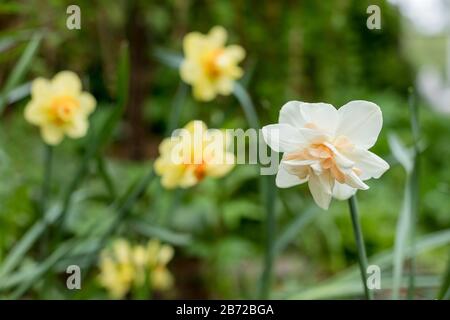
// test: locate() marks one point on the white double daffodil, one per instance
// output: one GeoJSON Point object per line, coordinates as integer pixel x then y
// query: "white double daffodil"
{"type": "Point", "coordinates": [327, 147]}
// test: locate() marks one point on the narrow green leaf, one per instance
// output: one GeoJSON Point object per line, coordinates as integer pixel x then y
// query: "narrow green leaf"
{"type": "Point", "coordinates": [400, 152]}
{"type": "Point", "coordinates": [165, 235]}
{"type": "Point", "coordinates": [354, 288]}
{"type": "Point", "coordinates": [33, 277]}
{"type": "Point", "coordinates": [247, 105]}
{"type": "Point", "coordinates": [20, 69]}
{"type": "Point", "coordinates": [385, 259]}
{"type": "Point", "coordinates": [401, 241]}
{"type": "Point", "coordinates": [444, 292]}
{"type": "Point", "coordinates": [294, 228]}
{"type": "Point", "coordinates": [26, 242]}
{"type": "Point", "coordinates": [168, 58]}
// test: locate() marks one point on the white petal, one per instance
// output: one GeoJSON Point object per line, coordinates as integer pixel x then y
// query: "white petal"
{"type": "Point", "coordinates": [298, 114]}
{"type": "Point", "coordinates": [286, 180]}
{"type": "Point", "coordinates": [320, 187]}
{"type": "Point", "coordinates": [371, 165]}
{"type": "Point", "coordinates": [342, 161]}
{"type": "Point", "coordinates": [361, 122]}
{"type": "Point", "coordinates": [282, 137]}
{"type": "Point", "coordinates": [343, 191]}
{"type": "Point", "coordinates": [354, 181]}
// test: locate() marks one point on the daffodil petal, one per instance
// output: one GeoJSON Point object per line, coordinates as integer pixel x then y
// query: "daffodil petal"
{"type": "Point", "coordinates": [343, 191]}
{"type": "Point", "coordinates": [222, 167]}
{"type": "Point", "coordinates": [41, 89]}
{"type": "Point", "coordinates": [282, 137]}
{"type": "Point", "coordinates": [87, 102]}
{"type": "Point", "coordinates": [34, 113]}
{"type": "Point", "coordinates": [66, 82]}
{"type": "Point", "coordinates": [300, 114]}
{"type": "Point", "coordinates": [360, 122]}
{"type": "Point", "coordinates": [235, 53]}
{"type": "Point", "coordinates": [286, 180]}
{"type": "Point", "coordinates": [371, 165]}
{"type": "Point", "coordinates": [217, 36]}
{"type": "Point", "coordinates": [52, 135]}
{"type": "Point", "coordinates": [193, 44]}
{"type": "Point", "coordinates": [354, 181]}
{"type": "Point", "coordinates": [77, 128]}
{"type": "Point", "coordinates": [320, 187]}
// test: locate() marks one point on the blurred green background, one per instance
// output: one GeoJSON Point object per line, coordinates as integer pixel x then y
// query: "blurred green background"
{"type": "Point", "coordinates": [296, 50]}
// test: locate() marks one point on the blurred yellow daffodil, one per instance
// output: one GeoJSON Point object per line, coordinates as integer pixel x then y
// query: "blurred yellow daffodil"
{"type": "Point", "coordinates": [209, 66]}
{"type": "Point", "coordinates": [59, 107]}
{"type": "Point", "coordinates": [193, 153]}
{"type": "Point", "coordinates": [124, 266]}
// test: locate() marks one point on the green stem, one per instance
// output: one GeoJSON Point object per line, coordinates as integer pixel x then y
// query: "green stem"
{"type": "Point", "coordinates": [362, 257]}
{"type": "Point", "coordinates": [266, 278]}
{"type": "Point", "coordinates": [45, 191]}
{"type": "Point", "coordinates": [268, 194]}
{"type": "Point", "coordinates": [177, 106]}
{"type": "Point", "coordinates": [106, 177]}
{"type": "Point", "coordinates": [46, 181]}
{"type": "Point", "coordinates": [444, 292]}
{"type": "Point", "coordinates": [414, 189]}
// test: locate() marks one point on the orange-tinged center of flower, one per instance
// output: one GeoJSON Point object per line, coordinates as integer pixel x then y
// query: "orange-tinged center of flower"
{"type": "Point", "coordinates": [62, 109]}
{"type": "Point", "coordinates": [200, 171]}
{"type": "Point", "coordinates": [211, 63]}
{"type": "Point", "coordinates": [324, 157]}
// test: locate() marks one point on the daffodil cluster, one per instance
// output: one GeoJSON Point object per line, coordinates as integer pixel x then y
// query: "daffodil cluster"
{"type": "Point", "coordinates": [193, 154]}
{"type": "Point", "coordinates": [124, 266]}
{"type": "Point", "coordinates": [210, 66]}
{"type": "Point", "coordinates": [59, 107]}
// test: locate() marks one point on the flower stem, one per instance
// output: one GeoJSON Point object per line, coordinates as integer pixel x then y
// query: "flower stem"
{"type": "Point", "coordinates": [362, 257]}
{"type": "Point", "coordinates": [414, 189]}
{"type": "Point", "coordinates": [46, 180]}
{"type": "Point", "coordinates": [45, 191]}
{"type": "Point", "coordinates": [268, 195]}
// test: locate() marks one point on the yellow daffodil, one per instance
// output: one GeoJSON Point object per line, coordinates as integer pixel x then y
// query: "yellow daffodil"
{"type": "Point", "coordinates": [209, 66]}
{"type": "Point", "coordinates": [59, 107]}
{"type": "Point", "coordinates": [192, 154]}
{"type": "Point", "coordinates": [124, 266]}
{"type": "Point", "coordinates": [326, 147]}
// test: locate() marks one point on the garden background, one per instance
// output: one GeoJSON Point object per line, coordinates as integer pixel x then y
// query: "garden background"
{"type": "Point", "coordinates": [296, 50]}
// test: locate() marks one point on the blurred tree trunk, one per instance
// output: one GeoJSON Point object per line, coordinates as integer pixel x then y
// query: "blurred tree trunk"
{"type": "Point", "coordinates": [140, 77]}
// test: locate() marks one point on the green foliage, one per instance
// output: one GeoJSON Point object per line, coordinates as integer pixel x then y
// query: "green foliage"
{"type": "Point", "coordinates": [307, 50]}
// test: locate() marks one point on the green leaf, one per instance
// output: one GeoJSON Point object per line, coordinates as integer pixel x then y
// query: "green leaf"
{"type": "Point", "coordinates": [293, 229]}
{"type": "Point", "coordinates": [163, 234]}
{"type": "Point", "coordinates": [244, 99]}
{"type": "Point", "coordinates": [382, 260]}
{"type": "Point", "coordinates": [401, 240]}
{"type": "Point", "coordinates": [168, 58]}
{"type": "Point", "coordinates": [32, 277]}
{"type": "Point", "coordinates": [400, 152]}
{"type": "Point", "coordinates": [340, 290]}
{"type": "Point", "coordinates": [20, 69]}
{"type": "Point", "coordinates": [444, 292]}
{"type": "Point", "coordinates": [18, 93]}
{"type": "Point", "coordinates": [26, 242]}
